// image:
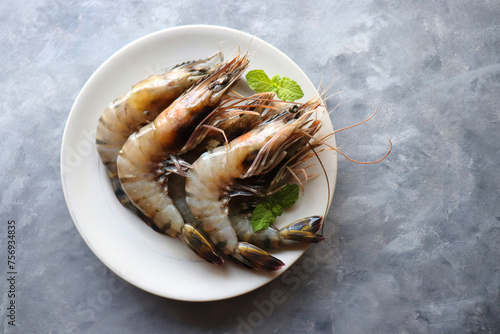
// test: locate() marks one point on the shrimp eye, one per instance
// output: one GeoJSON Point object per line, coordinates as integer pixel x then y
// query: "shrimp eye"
{"type": "Point", "coordinates": [219, 83]}
{"type": "Point", "coordinates": [294, 109]}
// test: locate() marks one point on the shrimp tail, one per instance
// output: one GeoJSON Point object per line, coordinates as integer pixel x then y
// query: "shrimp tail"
{"type": "Point", "coordinates": [200, 245]}
{"type": "Point", "coordinates": [303, 230]}
{"type": "Point", "coordinates": [256, 258]}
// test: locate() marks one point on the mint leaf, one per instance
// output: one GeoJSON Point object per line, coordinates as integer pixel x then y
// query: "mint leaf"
{"type": "Point", "coordinates": [286, 196]}
{"type": "Point", "coordinates": [276, 209]}
{"type": "Point", "coordinates": [262, 217]}
{"type": "Point", "coordinates": [285, 88]}
{"type": "Point", "coordinates": [276, 80]}
{"type": "Point", "coordinates": [265, 214]}
{"type": "Point", "coordinates": [289, 90]}
{"type": "Point", "coordinates": [260, 82]}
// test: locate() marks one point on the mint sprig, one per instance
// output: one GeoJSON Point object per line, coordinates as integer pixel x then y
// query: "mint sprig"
{"type": "Point", "coordinates": [265, 213]}
{"type": "Point", "coordinates": [286, 89]}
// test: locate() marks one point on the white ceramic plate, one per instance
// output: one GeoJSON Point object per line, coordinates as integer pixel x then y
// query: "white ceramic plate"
{"type": "Point", "coordinates": [150, 261]}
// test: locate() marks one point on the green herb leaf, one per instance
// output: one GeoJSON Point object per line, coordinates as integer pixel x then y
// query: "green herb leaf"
{"type": "Point", "coordinates": [260, 82]}
{"type": "Point", "coordinates": [277, 210]}
{"type": "Point", "coordinates": [265, 214]}
{"type": "Point", "coordinates": [289, 90]}
{"type": "Point", "coordinates": [276, 80]}
{"type": "Point", "coordinates": [287, 195]}
{"type": "Point", "coordinates": [262, 217]}
{"type": "Point", "coordinates": [285, 88]}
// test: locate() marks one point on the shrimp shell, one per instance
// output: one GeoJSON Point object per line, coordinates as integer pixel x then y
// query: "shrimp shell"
{"type": "Point", "coordinates": [140, 156]}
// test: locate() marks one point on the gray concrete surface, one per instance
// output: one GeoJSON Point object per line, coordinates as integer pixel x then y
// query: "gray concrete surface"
{"type": "Point", "coordinates": [416, 237]}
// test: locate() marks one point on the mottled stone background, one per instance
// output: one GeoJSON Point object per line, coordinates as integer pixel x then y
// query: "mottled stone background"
{"type": "Point", "coordinates": [416, 238]}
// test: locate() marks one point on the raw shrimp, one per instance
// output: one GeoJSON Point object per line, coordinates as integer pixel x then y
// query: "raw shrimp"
{"type": "Point", "coordinates": [140, 106]}
{"type": "Point", "coordinates": [213, 176]}
{"type": "Point", "coordinates": [145, 183]}
{"type": "Point", "coordinates": [300, 232]}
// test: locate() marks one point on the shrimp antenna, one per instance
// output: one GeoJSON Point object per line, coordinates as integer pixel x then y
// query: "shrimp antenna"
{"type": "Point", "coordinates": [326, 89]}
{"type": "Point", "coordinates": [234, 52]}
{"type": "Point", "coordinates": [236, 93]}
{"type": "Point", "coordinates": [350, 159]}
{"type": "Point", "coordinates": [327, 186]}
{"type": "Point", "coordinates": [322, 141]}
{"type": "Point", "coordinates": [219, 46]}
{"type": "Point", "coordinates": [250, 45]}
{"type": "Point", "coordinates": [351, 126]}
{"type": "Point", "coordinates": [332, 95]}
{"type": "Point", "coordinates": [296, 178]}
{"type": "Point", "coordinates": [320, 82]}
{"type": "Point", "coordinates": [331, 111]}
